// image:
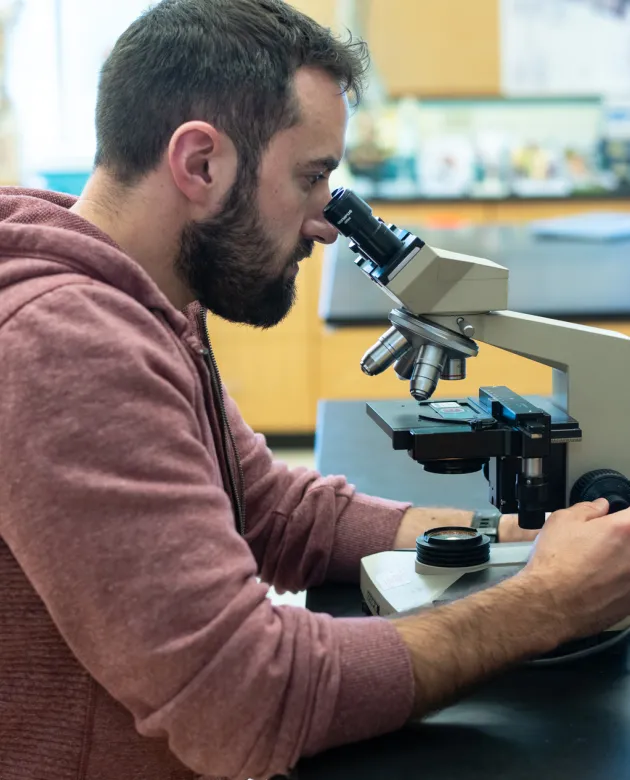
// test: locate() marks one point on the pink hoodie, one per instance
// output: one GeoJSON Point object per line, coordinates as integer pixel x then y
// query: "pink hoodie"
{"type": "Point", "coordinates": [135, 640]}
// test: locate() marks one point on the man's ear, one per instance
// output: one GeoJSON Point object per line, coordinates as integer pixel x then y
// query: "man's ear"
{"type": "Point", "coordinates": [203, 163]}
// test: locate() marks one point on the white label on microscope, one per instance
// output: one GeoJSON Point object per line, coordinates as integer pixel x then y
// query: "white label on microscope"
{"type": "Point", "coordinates": [393, 579]}
{"type": "Point", "coordinates": [448, 407]}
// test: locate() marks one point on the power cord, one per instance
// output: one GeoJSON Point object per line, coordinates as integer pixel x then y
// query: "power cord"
{"type": "Point", "coordinates": [580, 654]}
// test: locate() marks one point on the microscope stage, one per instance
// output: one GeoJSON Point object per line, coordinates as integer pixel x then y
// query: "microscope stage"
{"type": "Point", "coordinates": [460, 427]}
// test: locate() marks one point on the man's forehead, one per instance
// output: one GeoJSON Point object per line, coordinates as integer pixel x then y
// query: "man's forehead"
{"type": "Point", "coordinates": [323, 114]}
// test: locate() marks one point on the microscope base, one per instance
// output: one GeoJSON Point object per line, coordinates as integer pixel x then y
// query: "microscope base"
{"type": "Point", "coordinates": [391, 585]}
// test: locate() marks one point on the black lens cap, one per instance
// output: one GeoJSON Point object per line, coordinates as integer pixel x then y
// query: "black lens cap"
{"type": "Point", "coordinates": [453, 547]}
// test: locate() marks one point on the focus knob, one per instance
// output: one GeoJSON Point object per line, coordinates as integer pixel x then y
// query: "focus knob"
{"type": "Point", "coordinates": [603, 483]}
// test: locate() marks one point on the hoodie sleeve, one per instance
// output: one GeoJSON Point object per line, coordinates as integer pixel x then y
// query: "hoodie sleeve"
{"type": "Point", "coordinates": [302, 527]}
{"type": "Point", "coordinates": [113, 507]}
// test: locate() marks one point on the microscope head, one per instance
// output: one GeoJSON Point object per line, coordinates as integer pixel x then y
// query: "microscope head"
{"type": "Point", "coordinates": [422, 282]}
{"type": "Point", "coordinates": [420, 279]}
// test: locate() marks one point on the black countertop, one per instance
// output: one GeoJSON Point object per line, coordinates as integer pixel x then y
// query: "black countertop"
{"type": "Point", "coordinates": [559, 278]}
{"type": "Point", "coordinates": [552, 723]}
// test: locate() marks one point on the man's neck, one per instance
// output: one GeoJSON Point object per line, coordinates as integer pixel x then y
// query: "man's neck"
{"type": "Point", "coordinates": [141, 226]}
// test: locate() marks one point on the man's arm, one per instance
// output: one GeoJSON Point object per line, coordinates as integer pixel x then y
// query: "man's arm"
{"type": "Point", "coordinates": [576, 584]}
{"type": "Point", "coordinates": [460, 645]}
{"type": "Point", "coordinates": [304, 528]}
{"type": "Point", "coordinates": [417, 520]}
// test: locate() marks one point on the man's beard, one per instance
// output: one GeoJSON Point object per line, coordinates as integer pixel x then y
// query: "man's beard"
{"type": "Point", "coordinates": [226, 262]}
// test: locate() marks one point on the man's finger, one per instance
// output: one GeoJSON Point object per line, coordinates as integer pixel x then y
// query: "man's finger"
{"type": "Point", "coordinates": [590, 510]}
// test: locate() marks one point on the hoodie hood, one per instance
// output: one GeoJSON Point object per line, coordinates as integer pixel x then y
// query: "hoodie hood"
{"type": "Point", "coordinates": [42, 241]}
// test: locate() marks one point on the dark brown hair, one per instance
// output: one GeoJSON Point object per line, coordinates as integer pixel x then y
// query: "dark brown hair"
{"type": "Point", "coordinates": [227, 62]}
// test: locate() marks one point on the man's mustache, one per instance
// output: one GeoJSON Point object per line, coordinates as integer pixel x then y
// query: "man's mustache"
{"type": "Point", "coordinates": [303, 250]}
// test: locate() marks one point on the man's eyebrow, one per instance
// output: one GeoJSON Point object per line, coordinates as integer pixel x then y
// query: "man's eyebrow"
{"type": "Point", "coordinates": [327, 163]}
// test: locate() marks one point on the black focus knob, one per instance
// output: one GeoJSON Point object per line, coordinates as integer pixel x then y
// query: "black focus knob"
{"type": "Point", "coordinates": [603, 483]}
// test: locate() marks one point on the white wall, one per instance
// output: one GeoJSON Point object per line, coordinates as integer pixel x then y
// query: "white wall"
{"type": "Point", "coordinates": [56, 50]}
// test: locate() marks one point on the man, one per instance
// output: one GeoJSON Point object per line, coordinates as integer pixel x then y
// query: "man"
{"type": "Point", "coordinates": [137, 509]}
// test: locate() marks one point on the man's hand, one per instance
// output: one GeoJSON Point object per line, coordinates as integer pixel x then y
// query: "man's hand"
{"type": "Point", "coordinates": [510, 530]}
{"type": "Point", "coordinates": [581, 558]}
{"type": "Point", "coordinates": [416, 521]}
{"type": "Point", "coordinates": [576, 584]}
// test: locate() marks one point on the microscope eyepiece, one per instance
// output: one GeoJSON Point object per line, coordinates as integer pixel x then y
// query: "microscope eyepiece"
{"type": "Point", "coordinates": [353, 218]}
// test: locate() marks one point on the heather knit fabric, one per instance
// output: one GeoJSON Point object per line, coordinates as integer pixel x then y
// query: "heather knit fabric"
{"type": "Point", "coordinates": [136, 642]}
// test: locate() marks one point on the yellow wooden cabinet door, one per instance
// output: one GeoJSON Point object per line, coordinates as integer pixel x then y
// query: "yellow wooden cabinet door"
{"type": "Point", "coordinates": [427, 47]}
{"type": "Point", "coordinates": [446, 215]}
{"type": "Point", "coordinates": [270, 376]}
{"type": "Point", "coordinates": [340, 374]}
{"type": "Point", "coordinates": [436, 47]}
{"type": "Point", "coordinates": [524, 211]}
{"type": "Point", "coordinates": [342, 378]}
{"type": "Point", "coordinates": [323, 11]}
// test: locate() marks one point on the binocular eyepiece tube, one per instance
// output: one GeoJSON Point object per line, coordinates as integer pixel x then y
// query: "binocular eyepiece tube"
{"type": "Point", "coordinates": [353, 218]}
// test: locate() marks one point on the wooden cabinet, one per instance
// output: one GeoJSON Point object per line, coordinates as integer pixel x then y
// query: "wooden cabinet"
{"type": "Point", "coordinates": [323, 11]}
{"type": "Point", "coordinates": [272, 374]}
{"type": "Point", "coordinates": [269, 376]}
{"type": "Point", "coordinates": [340, 375]}
{"type": "Point", "coordinates": [426, 47]}
{"type": "Point", "coordinates": [454, 213]}
{"type": "Point", "coordinates": [445, 215]}
{"type": "Point", "coordinates": [342, 378]}
{"type": "Point", "coordinates": [524, 211]}
{"type": "Point", "coordinates": [436, 47]}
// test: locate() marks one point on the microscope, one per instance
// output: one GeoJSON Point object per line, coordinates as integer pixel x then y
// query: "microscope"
{"type": "Point", "coordinates": [538, 454]}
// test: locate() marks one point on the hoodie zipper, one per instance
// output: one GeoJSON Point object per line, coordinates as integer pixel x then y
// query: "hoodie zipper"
{"type": "Point", "coordinates": [238, 498]}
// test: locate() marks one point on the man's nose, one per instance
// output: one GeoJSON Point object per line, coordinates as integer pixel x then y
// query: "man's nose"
{"type": "Point", "coordinates": [319, 229]}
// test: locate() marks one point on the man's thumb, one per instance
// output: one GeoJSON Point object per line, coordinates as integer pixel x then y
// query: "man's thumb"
{"type": "Point", "coordinates": [589, 510]}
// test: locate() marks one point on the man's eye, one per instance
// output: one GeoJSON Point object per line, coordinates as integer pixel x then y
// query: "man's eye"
{"type": "Point", "coordinates": [313, 178]}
